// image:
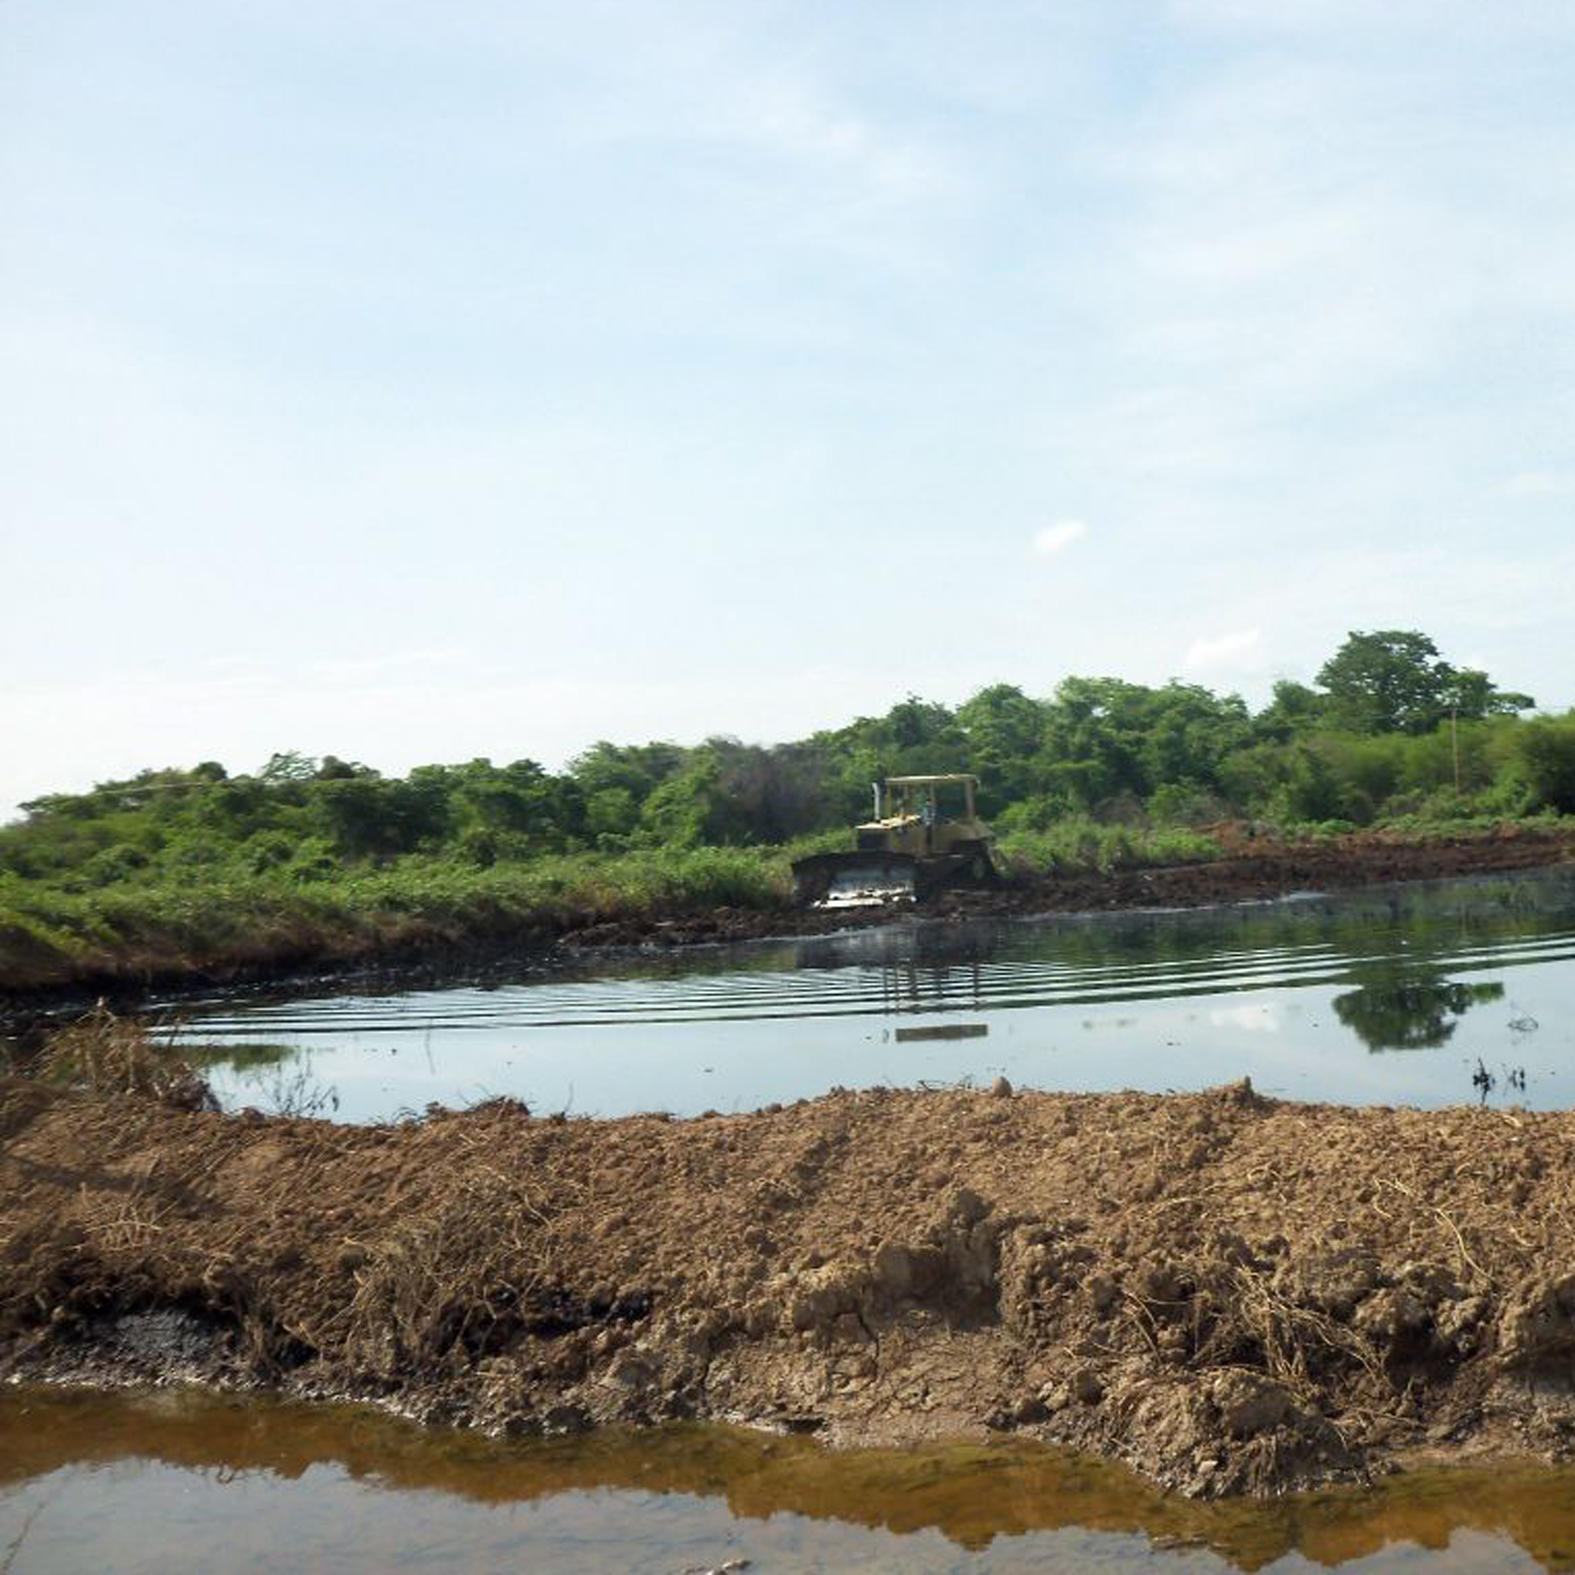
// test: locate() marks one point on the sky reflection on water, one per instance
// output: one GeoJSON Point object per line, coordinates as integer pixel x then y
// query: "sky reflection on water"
{"type": "Point", "coordinates": [1429, 995]}
{"type": "Point", "coordinates": [168, 1481]}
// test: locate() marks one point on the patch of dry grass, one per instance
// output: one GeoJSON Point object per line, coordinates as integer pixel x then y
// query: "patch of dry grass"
{"type": "Point", "coordinates": [103, 1053]}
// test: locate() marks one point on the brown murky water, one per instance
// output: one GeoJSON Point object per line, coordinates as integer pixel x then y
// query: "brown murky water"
{"type": "Point", "coordinates": [173, 1481]}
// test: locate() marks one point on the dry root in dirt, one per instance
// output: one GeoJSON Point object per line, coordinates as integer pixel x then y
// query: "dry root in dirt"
{"type": "Point", "coordinates": [439, 1292]}
{"type": "Point", "coordinates": [1231, 1293]}
{"type": "Point", "coordinates": [106, 1054]}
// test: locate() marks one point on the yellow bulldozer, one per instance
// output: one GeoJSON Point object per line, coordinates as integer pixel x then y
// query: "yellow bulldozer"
{"type": "Point", "coordinates": [926, 835]}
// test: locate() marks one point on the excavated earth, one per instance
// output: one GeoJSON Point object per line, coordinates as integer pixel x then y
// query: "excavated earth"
{"type": "Point", "coordinates": [1232, 1294]}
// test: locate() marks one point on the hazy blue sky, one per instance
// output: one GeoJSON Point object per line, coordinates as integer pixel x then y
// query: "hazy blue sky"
{"type": "Point", "coordinates": [418, 381]}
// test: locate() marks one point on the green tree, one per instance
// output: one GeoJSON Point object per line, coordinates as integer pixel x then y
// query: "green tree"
{"type": "Point", "coordinates": [916, 723]}
{"type": "Point", "coordinates": [288, 765]}
{"type": "Point", "coordinates": [1394, 681]}
{"type": "Point", "coordinates": [1387, 681]}
{"type": "Point", "coordinates": [1188, 730]}
{"type": "Point", "coordinates": [367, 817]}
{"type": "Point", "coordinates": [768, 795]}
{"type": "Point", "coordinates": [611, 816]}
{"type": "Point", "coordinates": [1092, 746]}
{"type": "Point", "coordinates": [1547, 761]}
{"type": "Point", "coordinates": [684, 811]}
{"type": "Point", "coordinates": [636, 768]}
{"type": "Point", "coordinates": [514, 810]}
{"type": "Point", "coordinates": [1108, 739]}
{"type": "Point", "coordinates": [1310, 790]}
{"type": "Point", "coordinates": [1293, 711]}
{"type": "Point", "coordinates": [332, 769]}
{"type": "Point", "coordinates": [1473, 696]}
{"type": "Point", "coordinates": [1005, 730]}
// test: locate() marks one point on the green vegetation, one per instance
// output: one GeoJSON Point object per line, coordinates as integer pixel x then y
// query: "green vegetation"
{"type": "Point", "coordinates": [313, 859]}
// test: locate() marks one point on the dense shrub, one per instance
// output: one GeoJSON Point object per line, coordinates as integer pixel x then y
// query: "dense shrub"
{"type": "Point", "coordinates": [306, 855]}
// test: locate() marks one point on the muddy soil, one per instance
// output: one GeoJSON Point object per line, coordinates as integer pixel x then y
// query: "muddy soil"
{"type": "Point", "coordinates": [1230, 1293]}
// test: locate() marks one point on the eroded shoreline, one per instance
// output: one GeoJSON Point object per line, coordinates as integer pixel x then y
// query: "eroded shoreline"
{"type": "Point", "coordinates": [1231, 1294]}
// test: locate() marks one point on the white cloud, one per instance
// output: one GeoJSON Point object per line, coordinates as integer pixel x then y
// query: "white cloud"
{"type": "Point", "coordinates": [802, 139]}
{"type": "Point", "coordinates": [1540, 484]}
{"type": "Point", "coordinates": [1235, 650]}
{"type": "Point", "coordinates": [1250, 1019]}
{"type": "Point", "coordinates": [1530, 19]}
{"type": "Point", "coordinates": [1061, 533]}
{"type": "Point", "coordinates": [788, 117]}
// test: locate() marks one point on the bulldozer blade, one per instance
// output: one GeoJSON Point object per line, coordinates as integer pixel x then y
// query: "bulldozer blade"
{"type": "Point", "coordinates": [855, 880]}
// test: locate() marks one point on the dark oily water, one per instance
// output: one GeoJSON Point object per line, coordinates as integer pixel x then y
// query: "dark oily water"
{"type": "Point", "coordinates": [1423, 995]}
{"type": "Point", "coordinates": [173, 1481]}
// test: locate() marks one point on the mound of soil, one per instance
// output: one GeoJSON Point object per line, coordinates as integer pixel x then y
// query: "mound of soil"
{"type": "Point", "coordinates": [1230, 1293]}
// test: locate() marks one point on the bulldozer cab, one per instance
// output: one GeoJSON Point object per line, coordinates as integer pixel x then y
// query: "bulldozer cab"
{"type": "Point", "coordinates": [923, 816]}
{"type": "Point", "coordinates": [925, 834]}
{"type": "Point", "coordinates": [903, 797]}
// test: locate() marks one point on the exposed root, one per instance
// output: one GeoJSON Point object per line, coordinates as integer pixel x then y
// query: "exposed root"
{"type": "Point", "coordinates": [1230, 1293]}
{"type": "Point", "coordinates": [106, 1054]}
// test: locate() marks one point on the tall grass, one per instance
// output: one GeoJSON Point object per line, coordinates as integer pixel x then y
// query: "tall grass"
{"type": "Point", "coordinates": [1082, 846]}
{"type": "Point", "coordinates": [106, 1054]}
{"type": "Point", "coordinates": [226, 919]}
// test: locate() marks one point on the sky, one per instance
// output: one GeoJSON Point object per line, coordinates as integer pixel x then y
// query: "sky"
{"type": "Point", "coordinates": [419, 382]}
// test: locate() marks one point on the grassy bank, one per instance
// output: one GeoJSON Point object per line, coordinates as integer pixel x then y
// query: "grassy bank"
{"type": "Point", "coordinates": [195, 872]}
{"type": "Point", "coordinates": [215, 923]}
{"type": "Point", "coordinates": [224, 922]}
{"type": "Point", "coordinates": [148, 929]}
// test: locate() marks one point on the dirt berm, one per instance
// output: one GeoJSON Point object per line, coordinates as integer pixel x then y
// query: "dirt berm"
{"type": "Point", "coordinates": [1230, 1293]}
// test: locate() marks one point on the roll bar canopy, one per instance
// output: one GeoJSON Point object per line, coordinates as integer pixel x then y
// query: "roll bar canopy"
{"type": "Point", "coordinates": [907, 788]}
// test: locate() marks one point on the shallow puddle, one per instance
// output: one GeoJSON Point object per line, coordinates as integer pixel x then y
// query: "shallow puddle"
{"type": "Point", "coordinates": [172, 1481]}
{"type": "Point", "coordinates": [1425, 995]}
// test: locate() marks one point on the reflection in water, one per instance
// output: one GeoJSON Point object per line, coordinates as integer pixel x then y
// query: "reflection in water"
{"type": "Point", "coordinates": [942, 1031]}
{"type": "Point", "coordinates": [278, 1080]}
{"type": "Point", "coordinates": [1293, 994]}
{"type": "Point", "coordinates": [1419, 1012]}
{"type": "Point", "coordinates": [239, 1056]}
{"type": "Point", "coordinates": [171, 1481]}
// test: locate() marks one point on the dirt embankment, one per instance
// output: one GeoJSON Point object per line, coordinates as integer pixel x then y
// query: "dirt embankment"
{"type": "Point", "coordinates": [1230, 1293]}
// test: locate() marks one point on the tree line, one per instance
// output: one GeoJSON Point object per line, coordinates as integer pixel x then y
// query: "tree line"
{"type": "Point", "coordinates": [1388, 729]}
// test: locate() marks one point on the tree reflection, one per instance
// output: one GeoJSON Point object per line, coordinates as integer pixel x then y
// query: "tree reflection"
{"type": "Point", "coordinates": [1418, 1010]}
{"type": "Point", "coordinates": [238, 1055]}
